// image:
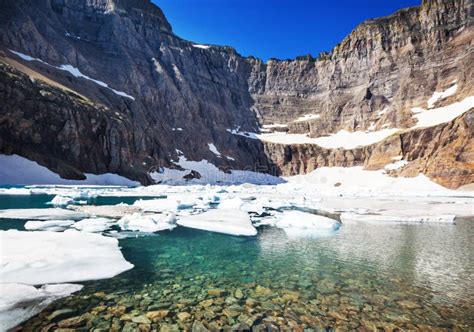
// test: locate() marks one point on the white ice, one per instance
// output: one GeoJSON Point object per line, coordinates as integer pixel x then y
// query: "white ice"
{"type": "Point", "coordinates": [59, 200]}
{"type": "Point", "coordinates": [19, 302]}
{"type": "Point", "coordinates": [397, 217]}
{"type": "Point", "coordinates": [93, 225]}
{"type": "Point", "coordinates": [224, 220]}
{"type": "Point", "coordinates": [297, 223]}
{"type": "Point", "coordinates": [42, 214]}
{"type": "Point", "coordinates": [148, 223]}
{"type": "Point", "coordinates": [48, 225]}
{"type": "Point", "coordinates": [37, 258]}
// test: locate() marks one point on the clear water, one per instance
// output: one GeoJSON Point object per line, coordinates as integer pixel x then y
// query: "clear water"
{"type": "Point", "coordinates": [411, 277]}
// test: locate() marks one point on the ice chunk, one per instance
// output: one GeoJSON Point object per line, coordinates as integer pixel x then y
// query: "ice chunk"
{"type": "Point", "coordinates": [48, 225]}
{"type": "Point", "coordinates": [227, 221]}
{"type": "Point", "coordinates": [59, 200]}
{"type": "Point", "coordinates": [161, 205]}
{"type": "Point", "coordinates": [93, 225]}
{"type": "Point", "coordinates": [297, 223]}
{"type": "Point", "coordinates": [37, 258]}
{"type": "Point", "coordinates": [19, 302]}
{"type": "Point", "coordinates": [148, 223]}
{"type": "Point", "coordinates": [107, 211]}
{"type": "Point", "coordinates": [42, 214]}
{"type": "Point", "coordinates": [231, 203]}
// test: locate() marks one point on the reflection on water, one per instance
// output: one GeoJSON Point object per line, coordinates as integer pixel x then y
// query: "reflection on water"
{"type": "Point", "coordinates": [374, 276]}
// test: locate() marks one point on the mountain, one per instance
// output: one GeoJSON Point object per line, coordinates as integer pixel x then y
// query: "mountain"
{"type": "Point", "coordinates": [97, 86]}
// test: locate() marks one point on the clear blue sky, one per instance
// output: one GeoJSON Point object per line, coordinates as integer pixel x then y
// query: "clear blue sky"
{"type": "Point", "coordinates": [273, 28]}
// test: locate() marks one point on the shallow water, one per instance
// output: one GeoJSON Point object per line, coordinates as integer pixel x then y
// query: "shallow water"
{"type": "Point", "coordinates": [367, 276]}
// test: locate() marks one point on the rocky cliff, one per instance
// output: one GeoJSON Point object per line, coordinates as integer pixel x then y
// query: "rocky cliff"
{"type": "Point", "coordinates": [106, 86]}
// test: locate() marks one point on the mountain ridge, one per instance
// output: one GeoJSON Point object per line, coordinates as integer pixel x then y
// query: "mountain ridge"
{"type": "Point", "coordinates": [184, 96]}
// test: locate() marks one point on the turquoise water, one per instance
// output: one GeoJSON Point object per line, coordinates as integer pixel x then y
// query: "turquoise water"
{"type": "Point", "coordinates": [411, 277]}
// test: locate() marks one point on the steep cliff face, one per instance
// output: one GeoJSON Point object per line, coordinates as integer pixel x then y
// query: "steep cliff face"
{"type": "Point", "coordinates": [392, 64]}
{"type": "Point", "coordinates": [116, 91]}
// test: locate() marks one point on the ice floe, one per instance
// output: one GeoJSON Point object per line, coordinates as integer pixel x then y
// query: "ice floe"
{"type": "Point", "coordinates": [148, 223]}
{"type": "Point", "coordinates": [37, 258]}
{"type": "Point", "coordinates": [48, 225]}
{"type": "Point", "coordinates": [42, 214]}
{"type": "Point", "coordinates": [59, 200]}
{"type": "Point", "coordinates": [297, 223]}
{"type": "Point", "coordinates": [15, 169]}
{"type": "Point", "coordinates": [224, 220]}
{"type": "Point", "coordinates": [19, 302]}
{"type": "Point", "coordinates": [93, 225]}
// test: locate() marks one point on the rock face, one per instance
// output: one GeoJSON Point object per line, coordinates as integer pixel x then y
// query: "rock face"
{"type": "Point", "coordinates": [112, 89]}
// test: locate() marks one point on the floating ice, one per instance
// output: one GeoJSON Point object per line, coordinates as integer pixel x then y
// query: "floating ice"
{"type": "Point", "coordinates": [48, 225]}
{"type": "Point", "coordinates": [59, 200]}
{"type": "Point", "coordinates": [148, 223]}
{"type": "Point", "coordinates": [37, 258]}
{"type": "Point", "coordinates": [227, 221]}
{"type": "Point", "coordinates": [42, 214]}
{"type": "Point", "coordinates": [93, 225]}
{"type": "Point", "coordinates": [297, 223]}
{"type": "Point", "coordinates": [19, 302]}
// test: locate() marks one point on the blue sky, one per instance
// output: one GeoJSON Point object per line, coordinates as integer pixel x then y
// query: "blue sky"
{"type": "Point", "coordinates": [273, 28]}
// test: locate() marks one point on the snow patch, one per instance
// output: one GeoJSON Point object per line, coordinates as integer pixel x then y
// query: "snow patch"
{"type": "Point", "coordinates": [307, 117]}
{"type": "Point", "coordinates": [204, 47]}
{"type": "Point", "coordinates": [74, 71]}
{"type": "Point", "coordinates": [436, 116]}
{"type": "Point", "coordinates": [42, 214]}
{"type": "Point", "coordinates": [213, 149]}
{"type": "Point", "coordinates": [441, 95]}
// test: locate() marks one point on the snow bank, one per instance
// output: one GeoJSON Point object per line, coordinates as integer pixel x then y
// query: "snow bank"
{"type": "Point", "coordinates": [342, 139]}
{"type": "Point", "coordinates": [147, 223]}
{"type": "Point", "coordinates": [297, 223]}
{"type": "Point", "coordinates": [396, 165]}
{"type": "Point", "coordinates": [48, 225]}
{"type": "Point", "coordinates": [19, 302]}
{"type": "Point", "coordinates": [227, 221]}
{"type": "Point", "coordinates": [37, 258]}
{"type": "Point", "coordinates": [73, 71]}
{"type": "Point", "coordinates": [19, 170]}
{"type": "Point", "coordinates": [42, 214]}
{"type": "Point", "coordinates": [436, 116]}
{"type": "Point", "coordinates": [355, 181]}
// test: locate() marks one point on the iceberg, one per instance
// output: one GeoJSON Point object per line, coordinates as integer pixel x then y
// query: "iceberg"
{"type": "Point", "coordinates": [37, 258]}
{"type": "Point", "coordinates": [59, 200]}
